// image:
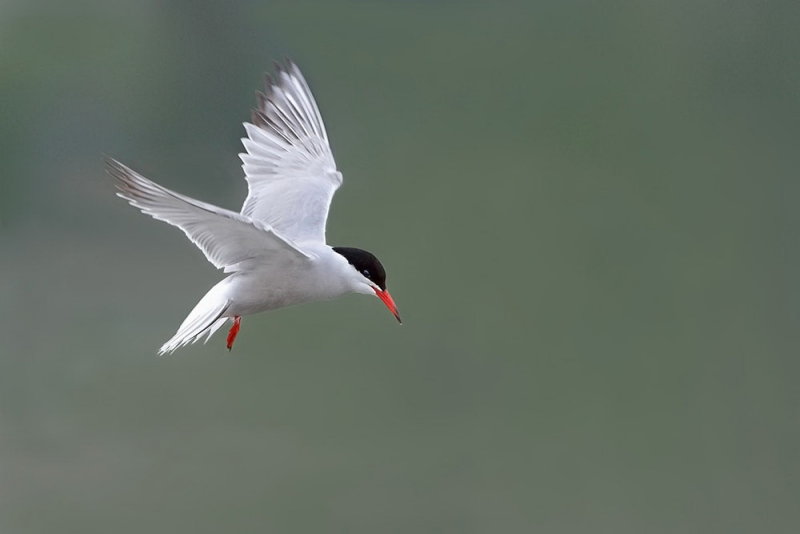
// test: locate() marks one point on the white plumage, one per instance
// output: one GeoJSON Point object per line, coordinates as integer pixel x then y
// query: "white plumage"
{"type": "Point", "coordinates": [289, 166]}
{"type": "Point", "coordinates": [274, 250]}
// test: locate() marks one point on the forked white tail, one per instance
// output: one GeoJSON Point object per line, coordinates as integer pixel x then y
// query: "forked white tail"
{"type": "Point", "coordinates": [206, 318]}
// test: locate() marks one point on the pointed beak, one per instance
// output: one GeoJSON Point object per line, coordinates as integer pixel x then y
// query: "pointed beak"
{"type": "Point", "coordinates": [389, 301]}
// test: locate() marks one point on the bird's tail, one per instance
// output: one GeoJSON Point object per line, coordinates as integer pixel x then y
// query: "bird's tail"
{"type": "Point", "coordinates": [207, 317]}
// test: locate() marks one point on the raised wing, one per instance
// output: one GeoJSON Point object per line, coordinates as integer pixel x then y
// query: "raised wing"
{"type": "Point", "coordinates": [230, 241]}
{"type": "Point", "coordinates": [289, 166]}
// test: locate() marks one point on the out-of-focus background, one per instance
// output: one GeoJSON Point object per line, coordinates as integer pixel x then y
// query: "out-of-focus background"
{"type": "Point", "coordinates": [588, 213]}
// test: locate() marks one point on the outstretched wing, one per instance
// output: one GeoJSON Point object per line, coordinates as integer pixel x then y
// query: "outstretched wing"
{"type": "Point", "coordinates": [289, 166]}
{"type": "Point", "coordinates": [230, 241]}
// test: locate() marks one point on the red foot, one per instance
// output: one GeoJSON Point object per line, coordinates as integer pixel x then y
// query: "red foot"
{"type": "Point", "coordinates": [233, 331]}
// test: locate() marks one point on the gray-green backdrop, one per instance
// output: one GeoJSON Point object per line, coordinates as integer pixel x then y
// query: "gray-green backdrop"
{"type": "Point", "coordinates": [588, 213]}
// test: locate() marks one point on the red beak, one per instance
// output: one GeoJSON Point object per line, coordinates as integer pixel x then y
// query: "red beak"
{"type": "Point", "coordinates": [389, 301]}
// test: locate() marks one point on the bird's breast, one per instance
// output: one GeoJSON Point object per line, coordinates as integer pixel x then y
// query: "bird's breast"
{"type": "Point", "coordinates": [259, 291]}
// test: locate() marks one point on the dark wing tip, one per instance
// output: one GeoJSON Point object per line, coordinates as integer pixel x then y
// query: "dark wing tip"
{"type": "Point", "coordinates": [261, 98]}
{"type": "Point", "coordinates": [258, 118]}
{"type": "Point", "coordinates": [116, 170]}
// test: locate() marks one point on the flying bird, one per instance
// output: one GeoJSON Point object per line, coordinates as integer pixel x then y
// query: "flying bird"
{"type": "Point", "coordinates": [274, 250]}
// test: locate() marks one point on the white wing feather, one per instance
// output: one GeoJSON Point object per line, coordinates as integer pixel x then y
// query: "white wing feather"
{"type": "Point", "coordinates": [289, 166]}
{"type": "Point", "coordinates": [230, 241]}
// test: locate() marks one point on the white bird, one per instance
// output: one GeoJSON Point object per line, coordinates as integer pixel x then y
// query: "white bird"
{"type": "Point", "coordinates": [274, 249]}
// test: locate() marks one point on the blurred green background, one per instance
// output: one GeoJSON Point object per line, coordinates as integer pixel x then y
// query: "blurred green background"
{"type": "Point", "coordinates": [588, 213]}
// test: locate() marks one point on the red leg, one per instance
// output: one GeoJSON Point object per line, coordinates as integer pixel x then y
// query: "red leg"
{"type": "Point", "coordinates": [233, 331]}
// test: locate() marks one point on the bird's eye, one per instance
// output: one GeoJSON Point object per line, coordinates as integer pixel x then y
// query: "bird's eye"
{"type": "Point", "coordinates": [365, 272]}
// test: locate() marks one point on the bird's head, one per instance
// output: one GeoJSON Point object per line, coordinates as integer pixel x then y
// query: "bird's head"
{"type": "Point", "coordinates": [369, 275]}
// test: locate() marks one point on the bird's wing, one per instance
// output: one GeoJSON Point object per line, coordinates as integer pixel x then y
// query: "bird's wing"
{"type": "Point", "coordinates": [230, 241]}
{"type": "Point", "coordinates": [289, 166]}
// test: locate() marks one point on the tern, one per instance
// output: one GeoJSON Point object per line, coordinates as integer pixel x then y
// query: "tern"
{"type": "Point", "coordinates": [274, 251]}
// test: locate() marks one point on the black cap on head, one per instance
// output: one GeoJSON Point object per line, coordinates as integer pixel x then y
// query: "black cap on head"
{"type": "Point", "coordinates": [365, 263]}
